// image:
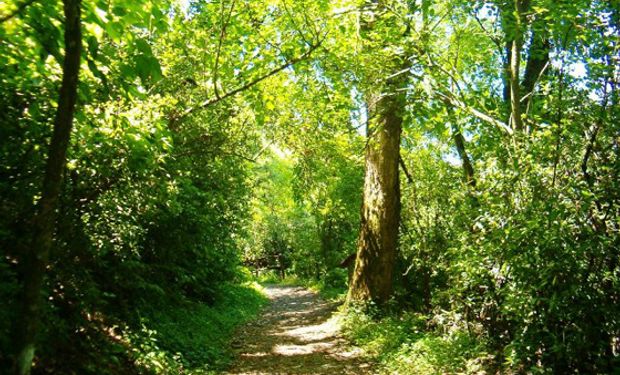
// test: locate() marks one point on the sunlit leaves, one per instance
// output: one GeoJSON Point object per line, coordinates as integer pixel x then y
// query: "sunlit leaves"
{"type": "Point", "coordinates": [154, 203]}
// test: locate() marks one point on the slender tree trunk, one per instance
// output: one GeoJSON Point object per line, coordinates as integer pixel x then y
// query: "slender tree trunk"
{"type": "Point", "coordinates": [513, 24]}
{"type": "Point", "coordinates": [537, 60]}
{"type": "Point", "coordinates": [468, 169]}
{"type": "Point", "coordinates": [35, 261]}
{"type": "Point", "coordinates": [378, 239]}
{"type": "Point", "coordinates": [506, 76]}
{"type": "Point", "coordinates": [515, 66]}
{"type": "Point", "coordinates": [459, 141]}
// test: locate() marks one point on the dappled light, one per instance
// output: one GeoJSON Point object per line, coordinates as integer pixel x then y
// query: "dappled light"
{"type": "Point", "coordinates": [299, 333]}
{"type": "Point", "coordinates": [403, 187]}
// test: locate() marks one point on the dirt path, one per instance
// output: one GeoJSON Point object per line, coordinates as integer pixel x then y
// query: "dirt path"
{"type": "Point", "coordinates": [296, 334]}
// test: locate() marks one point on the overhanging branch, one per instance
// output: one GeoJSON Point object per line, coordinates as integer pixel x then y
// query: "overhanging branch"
{"type": "Point", "coordinates": [287, 64]}
{"type": "Point", "coordinates": [476, 113]}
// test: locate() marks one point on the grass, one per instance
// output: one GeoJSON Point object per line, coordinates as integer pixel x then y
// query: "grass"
{"type": "Point", "coordinates": [403, 344]}
{"type": "Point", "coordinates": [194, 338]}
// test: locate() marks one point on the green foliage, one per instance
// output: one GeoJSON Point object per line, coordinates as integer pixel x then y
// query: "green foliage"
{"type": "Point", "coordinates": [208, 136]}
{"type": "Point", "coordinates": [404, 344]}
{"type": "Point", "coordinates": [192, 338]}
{"type": "Point", "coordinates": [304, 217]}
{"type": "Point", "coordinates": [149, 211]}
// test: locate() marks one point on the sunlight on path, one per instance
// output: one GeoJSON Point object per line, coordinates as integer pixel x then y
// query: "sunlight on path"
{"type": "Point", "coordinates": [297, 334]}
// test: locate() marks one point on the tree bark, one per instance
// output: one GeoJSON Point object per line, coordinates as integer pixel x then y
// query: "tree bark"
{"type": "Point", "coordinates": [513, 22]}
{"type": "Point", "coordinates": [378, 238]}
{"type": "Point", "coordinates": [380, 213]}
{"type": "Point", "coordinates": [506, 76]}
{"type": "Point", "coordinates": [468, 169]}
{"type": "Point", "coordinates": [537, 60]}
{"type": "Point", "coordinates": [35, 261]}
{"type": "Point", "coordinates": [515, 66]}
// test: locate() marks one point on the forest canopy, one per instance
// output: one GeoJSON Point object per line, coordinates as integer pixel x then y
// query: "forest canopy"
{"type": "Point", "coordinates": [460, 157]}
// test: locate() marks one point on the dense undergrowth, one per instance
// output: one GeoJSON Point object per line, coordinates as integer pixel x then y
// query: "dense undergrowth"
{"type": "Point", "coordinates": [194, 338]}
{"type": "Point", "coordinates": [411, 343]}
{"type": "Point", "coordinates": [167, 336]}
{"type": "Point", "coordinates": [212, 135]}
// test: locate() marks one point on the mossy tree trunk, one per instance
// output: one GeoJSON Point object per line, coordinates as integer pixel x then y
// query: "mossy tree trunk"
{"type": "Point", "coordinates": [378, 238]}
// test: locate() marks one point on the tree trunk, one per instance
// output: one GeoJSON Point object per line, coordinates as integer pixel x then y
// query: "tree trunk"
{"type": "Point", "coordinates": [468, 169]}
{"type": "Point", "coordinates": [372, 276]}
{"type": "Point", "coordinates": [515, 66]}
{"type": "Point", "coordinates": [513, 24]}
{"type": "Point", "coordinates": [538, 58]}
{"type": "Point", "coordinates": [380, 214]}
{"type": "Point", "coordinates": [34, 262]}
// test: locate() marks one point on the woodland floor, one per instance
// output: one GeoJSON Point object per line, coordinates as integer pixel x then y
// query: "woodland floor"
{"type": "Point", "coordinates": [296, 334]}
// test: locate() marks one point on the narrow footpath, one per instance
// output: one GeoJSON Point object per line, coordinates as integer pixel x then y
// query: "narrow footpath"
{"type": "Point", "coordinates": [296, 334]}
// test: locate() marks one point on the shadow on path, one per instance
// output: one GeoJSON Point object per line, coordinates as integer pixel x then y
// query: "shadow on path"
{"type": "Point", "coordinates": [297, 334]}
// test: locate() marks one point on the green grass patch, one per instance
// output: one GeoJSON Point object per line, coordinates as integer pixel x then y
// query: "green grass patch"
{"type": "Point", "coordinates": [326, 290]}
{"type": "Point", "coordinates": [403, 344]}
{"type": "Point", "coordinates": [194, 338]}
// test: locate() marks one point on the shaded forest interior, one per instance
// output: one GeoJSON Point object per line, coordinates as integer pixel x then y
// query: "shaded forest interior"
{"type": "Point", "coordinates": [449, 170]}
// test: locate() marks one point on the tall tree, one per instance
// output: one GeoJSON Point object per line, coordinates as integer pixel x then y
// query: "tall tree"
{"type": "Point", "coordinates": [378, 238]}
{"type": "Point", "coordinates": [35, 261]}
{"type": "Point", "coordinates": [380, 214]}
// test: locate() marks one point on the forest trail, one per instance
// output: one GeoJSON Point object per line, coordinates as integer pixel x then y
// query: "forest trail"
{"type": "Point", "coordinates": [296, 334]}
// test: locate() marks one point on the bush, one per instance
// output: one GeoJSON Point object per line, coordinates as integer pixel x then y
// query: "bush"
{"type": "Point", "coordinates": [193, 337]}
{"type": "Point", "coordinates": [403, 343]}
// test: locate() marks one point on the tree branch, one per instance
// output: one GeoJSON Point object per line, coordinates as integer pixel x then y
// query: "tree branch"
{"type": "Point", "coordinates": [480, 115]}
{"type": "Point", "coordinates": [219, 46]}
{"type": "Point", "coordinates": [211, 101]}
{"type": "Point", "coordinates": [404, 167]}
{"type": "Point", "coordinates": [488, 34]}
